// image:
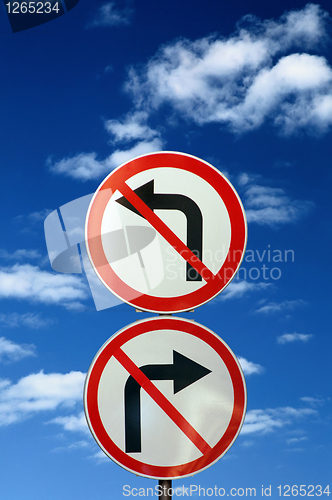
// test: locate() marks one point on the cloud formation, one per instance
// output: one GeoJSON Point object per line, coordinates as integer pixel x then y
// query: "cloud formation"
{"type": "Point", "coordinates": [86, 166]}
{"type": "Point", "coordinates": [246, 79]}
{"type": "Point", "coordinates": [248, 367]}
{"type": "Point", "coordinates": [294, 337]}
{"type": "Point", "coordinates": [259, 74]}
{"type": "Point", "coordinates": [34, 217]}
{"type": "Point", "coordinates": [20, 254]}
{"type": "Point", "coordinates": [132, 127]}
{"type": "Point", "coordinates": [313, 401]}
{"type": "Point", "coordinates": [109, 15]}
{"type": "Point", "coordinates": [10, 351]}
{"type": "Point", "coordinates": [31, 283]}
{"type": "Point", "coordinates": [72, 423]}
{"type": "Point", "coordinates": [237, 288]}
{"type": "Point", "coordinates": [38, 392]}
{"type": "Point", "coordinates": [296, 440]}
{"type": "Point", "coordinates": [273, 307]}
{"type": "Point", "coordinates": [267, 205]}
{"type": "Point", "coordinates": [30, 320]}
{"type": "Point", "coordinates": [264, 421]}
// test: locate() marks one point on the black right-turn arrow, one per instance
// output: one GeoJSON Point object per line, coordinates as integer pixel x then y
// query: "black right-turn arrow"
{"type": "Point", "coordinates": [183, 372]}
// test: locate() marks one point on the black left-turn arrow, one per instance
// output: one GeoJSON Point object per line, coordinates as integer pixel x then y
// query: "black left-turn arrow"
{"type": "Point", "coordinates": [186, 205]}
{"type": "Point", "coordinates": [183, 372]}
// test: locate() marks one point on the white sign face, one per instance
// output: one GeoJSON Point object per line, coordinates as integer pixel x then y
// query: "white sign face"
{"type": "Point", "coordinates": [166, 232]}
{"type": "Point", "coordinates": [165, 398]}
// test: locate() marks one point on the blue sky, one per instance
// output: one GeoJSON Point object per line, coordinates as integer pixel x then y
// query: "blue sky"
{"type": "Point", "coordinates": [246, 86]}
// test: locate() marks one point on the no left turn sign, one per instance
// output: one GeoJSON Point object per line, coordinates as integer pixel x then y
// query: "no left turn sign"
{"type": "Point", "coordinates": [179, 227]}
{"type": "Point", "coordinates": [165, 397]}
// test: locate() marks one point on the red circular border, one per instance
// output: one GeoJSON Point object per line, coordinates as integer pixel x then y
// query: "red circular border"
{"type": "Point", "coordinates": [166, 304]}
{"type": "Point", "coordinates": [91, 398]}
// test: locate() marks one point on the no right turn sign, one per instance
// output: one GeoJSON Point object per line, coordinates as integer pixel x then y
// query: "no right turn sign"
{"type": "Point", "coordinates": [165, 397]}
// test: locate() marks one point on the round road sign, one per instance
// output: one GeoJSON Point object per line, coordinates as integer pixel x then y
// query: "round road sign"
{"type": "Point", "coordinates": [179, 227]}
{"type": "Point", "coordinates": [165, 397]}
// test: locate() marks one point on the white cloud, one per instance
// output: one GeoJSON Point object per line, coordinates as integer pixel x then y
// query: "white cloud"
{"type": "Point", "coordinates": [132, 127]}
{"type": "Point", "coordinates": [248, 367]}
{"type": "Point", "coordinates": [240, 81]}
{"type": "Point", "coordinates": [77, 445]}
{"type": "Point", "coordinates": [100, 457]}
{"type": "Point", "coordinates": [236, 289]}
{"type": "Point", "coordinates": [264, 421]}
{"type": "Point", "coordinates": [141, 148]}
{"type": "Point", "coordinates": [39, 216]}
{"type": "Point", "coordinates": [77, 423]}
{"type": "Point", "coordinates": [15, 352]}
{"type": "Point", "coordinates": [272, 307]}
{"type": "Point", "coordinates": [294, 77]}
{"type": "Point", "coordinates": [38, 392]}
{"type": "Point", "coordinates": [31, 320]}
{"type": "Point", "coordinates": [247, 444]}
{"type": "Point", "coordinates": [266, 205]}
{"type": "Point", "coordinates": [34, 217]}
{"type": "Point", "coordinates": [86, 166]}
{"type": "Point", "coordinates": [244, 80]}
{"type": "Point", "coordinates": [293, 337]}
{"type": "Point", "coordinates": [19, 254]}
{"type": "Point", "coordinates": [31, 283]}
{"type": "Point", "coordinates": [73, 423]}
{"type": "Point", "coordinates": [313, 401]}
{"type": "Point", "coordinates": [296, 440]}
{"type": "Point", "coordinates": [83, 166]}
{"type": "Point", "coordinates": [109, 15]}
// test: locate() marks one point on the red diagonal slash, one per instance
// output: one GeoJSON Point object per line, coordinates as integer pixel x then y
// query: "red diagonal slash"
{"type": "Point", "coordinates": [162, 401]}
{"type": "Point", "coordinates": [166, 232]}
